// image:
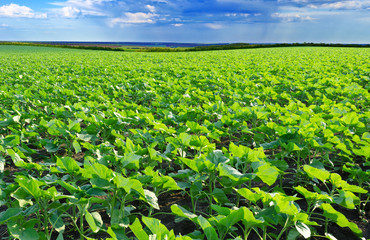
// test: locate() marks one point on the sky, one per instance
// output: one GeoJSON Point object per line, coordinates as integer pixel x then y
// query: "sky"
{"type": "Point", "coordinates": [196, 21]}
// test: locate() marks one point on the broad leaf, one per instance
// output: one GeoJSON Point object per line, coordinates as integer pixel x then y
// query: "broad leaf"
{"type": "Point", "coordinates": [138, 230]}
{"type": "Point", "coordinates": [320, 174]}
{"type": "Point", "coordinates": [268, 174]}
{"type": "Point", "coordinates": [303, 229]}
{"type": "Point", "coordinates": [209, 231]}
{"type": "Point", "coordinates": [182, 212]}
{"type": "Point", "coordinates": [9, 214]}
{"type": "Point", "coordinates": [339, 218]}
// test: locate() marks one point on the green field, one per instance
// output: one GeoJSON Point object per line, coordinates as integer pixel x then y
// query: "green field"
{"type": "Point", "coordinates": [241, 144]}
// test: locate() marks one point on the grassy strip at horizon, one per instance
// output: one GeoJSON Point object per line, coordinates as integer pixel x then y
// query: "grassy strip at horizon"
{"type": "Point", "coordinates": [268, 143]}
{"type": "Point", "coordinates": [145, 48]}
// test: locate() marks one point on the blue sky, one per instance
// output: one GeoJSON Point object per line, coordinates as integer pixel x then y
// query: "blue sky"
{"type": "Point", "coordinates": [209, 21]}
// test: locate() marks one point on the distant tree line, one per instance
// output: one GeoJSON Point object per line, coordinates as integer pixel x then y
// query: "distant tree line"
{"type": "Point", "coordinates": [247, 45]}
{"type": "Point", "coordinates": [188, 49]}
{"type": "Point", "coordinates": [64, 46]}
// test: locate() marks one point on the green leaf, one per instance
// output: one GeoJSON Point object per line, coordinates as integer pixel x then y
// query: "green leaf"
{"type": "Point", "coordinates": [74, 125]}
{"type": "Point", "coordinates": [9, 214]}
{"type": "Point", "coordinates": [51, 148]}
{"type": "Point", "coordinates": [71, 188]}
{"type": "Point", "coordinates": [76, 146]}
{"type": "Point", "coordinates": [293, 234]}
{"type": "Point", "coordinates": [238, 151]}
{"type": "Point", "coordinates": [84, 137]}
{"type": "Point", "coordinates": [56, 221]}
{"type": "Point", "coordinates": [22, 196]}
{"type": "Point", "coordinates": [156, 227]}
{"type": "Point", "coordinates": [113, 234]}
{"type": "Point", "coordinates": [60, 236]}
{"type": "Point", "coordinates": [339, 218]}
{"type": "Point", "coordinates": [286, 205]}
{"type": "Point", "coordinates": [90, 220]}
{"type": "Point", "coordinates": [221, 210]}
{"type": "Point", "coordinates": [6, 123]}
{"type": "Point", "coordinates": [330, 237]}
{"type": "Point", "coordinates": [32, 186]}
{"type": "Point", "coordinates": [271, 145]}
{"type": "Point", "coordinates": [249, 195]}
{"type": "Point", "coordinates": [292, 147]}
{"type": "Point", "coordinates": [268, 174]}
{"type": "Point", "coordinates": [220, 196]}
{"type": "Point", "coordinates": [303, 229]}
{"type": "Point", "coordinates": [336, 180]}
{"type": "Point", "coordinates": [68, 164]}
{"type": "Point", "coordinates": [209, 231]}
{"type": "Point", "coordinates": [101, 183]}
{"type": "Point", "coordinates": [363, 151]}
{"type": "Point", "coordinates": [169, 183]}
{"type": "Point", "coordinates": [2, 164]}
{"type": "Point", "coordinates": [232, 218]}
{"type": "Point", "coordinates": [131, 161]}
{"type": "Point", "coordinates": [118, 220]}
{"type": "Point", "coordinates": [151, 198]}
{"type": "Point", "coordinates": [182, 212]}
{"type": "Point", "coordinates": [312, 196]}
{"type": "Point", "coordinates": [11, 141]}
{"type": "Point", "coordinates": [184, 138]}
{"type": "Point", "coordinates": [29, 234]}
{"type": "Point", "coordinates": [320, 174]}
{"type": "Point", "coordinates": [15, 157]}
{"type": "Point", "coordinates": [194, 164]}
{"type": "Point", "coordinates": [163, 128]}
{"type": "Point", "coordinates": [249, 220]}
{"type": "Point", "coordinates": [216, 157]}
{"type": "Point", "coordinates": [347, 199]}
{"type": "Point", "coordinates": [101, 171]}
{"type": "Point", "coordinates": [138, 230]}
{"type": "Point", "coordinates": [233, 174]}
{"type": "Point", "coordinates": [129, 184]}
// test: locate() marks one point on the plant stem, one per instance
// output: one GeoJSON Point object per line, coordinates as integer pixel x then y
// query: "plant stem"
{"type": "Point", "coordinates": [192, 201]}
{"type": "Point", "coordinates": [283, 230]}
{"type": "Point", "coordinates": [238, 197]}
{"type": "Point", "coordinates": [46, 223]}
{"type": "Point", "coordinates": [326, 224]}
{"type": "Point", "coordinates": [210, 193]}
{"type": "Point", "coordinates": [81, 223]}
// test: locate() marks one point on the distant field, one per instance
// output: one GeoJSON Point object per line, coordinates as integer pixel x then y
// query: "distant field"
{"type": "Point", "coordinates": [242, 144]}
{"type": "Point", "coordinates": [173, 46]}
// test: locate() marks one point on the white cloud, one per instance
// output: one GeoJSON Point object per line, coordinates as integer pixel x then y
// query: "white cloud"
{"type": "Point", "coordinates": [4, 25]}
{"type": "Point", "coordinates": [74, 8]}
{"type": "Point", "coordinates": [363, 4]}
{"type": "Point", "coordinates": [150, 8]}
{"type": "Point", "coordinates": [140, 17]}
{"type": "Point", "coordinates": [290, 17]}
{"type": "Point", "coordinates": [131, 18]}
{"type": "Point", "coordinates": [214, 25]}
{"type": "Point", "coordinates": [82, 3]}
{"type": "Point", "coordinates": [177, 24]}
{"type": "Point", "coordinates": [343, 5]}
{"type": "Point", "coordinates": [17, 11]}
{"type": "Point", "coordinates": [237, 14]}
{"type": "Point", "coordinates": [70, 12]}
{"type": "Point", "coordinates": [231, 14]}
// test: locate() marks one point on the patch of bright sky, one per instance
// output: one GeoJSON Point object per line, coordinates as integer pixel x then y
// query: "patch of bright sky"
{"type": "Point", "coordinates": [212, 21]}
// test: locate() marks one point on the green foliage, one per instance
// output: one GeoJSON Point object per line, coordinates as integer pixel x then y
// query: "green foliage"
{"type": "Point", "coordinates": [101, 143]}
